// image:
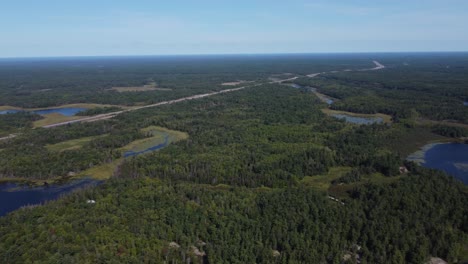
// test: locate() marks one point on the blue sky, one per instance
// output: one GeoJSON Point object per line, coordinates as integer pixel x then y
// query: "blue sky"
{"type": "Point", "coordinates": [143, 27]}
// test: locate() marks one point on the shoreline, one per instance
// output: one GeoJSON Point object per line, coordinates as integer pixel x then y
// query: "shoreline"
{"type": "Point", "coordinates": [45, 182]}
{"type": "Point", "coordinates": [419, 156]}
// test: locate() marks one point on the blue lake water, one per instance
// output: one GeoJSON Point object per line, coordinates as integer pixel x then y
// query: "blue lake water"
{"type": "Point", "coordinates": [9, 111]}
{"type": "Point", "coordinates": [150, 149]}
{"type": "Point", "coordinates": [13, 196]}
{"type": "Point", "coordinates": [67, 111]}
{"type": "Point", "coordinates": [451, 158]}
{"type": "Point", "coordinates": [465, 103]}
{"type": "Point", "coordinates": [359, 120]}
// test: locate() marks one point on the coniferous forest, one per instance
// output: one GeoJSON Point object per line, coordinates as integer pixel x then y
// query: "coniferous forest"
{"type": "Point", "coordinates": [266, 174]}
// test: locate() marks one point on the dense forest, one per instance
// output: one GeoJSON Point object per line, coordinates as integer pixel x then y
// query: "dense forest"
{"type": "Point", "coordinates": [149, 221]}
{"type": "Point", "coordinates": [265, 175]}
{"type": "Point", "coordinates": [13, 122]}
{"type": "Point", "coordinates": [54, 82]}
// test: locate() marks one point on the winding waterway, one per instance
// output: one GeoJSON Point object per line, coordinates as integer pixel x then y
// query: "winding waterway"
{"type": "Point", "coordinates": [14, 196]}
{"type": "Point", "coordinates": [150, 149]}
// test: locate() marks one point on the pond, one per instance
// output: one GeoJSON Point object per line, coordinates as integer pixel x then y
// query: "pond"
{"type": "Point", "coordinates": [359, 120]}
{"type": "Point", "coordinates": [449, 157]}
{"type": "Point", "coordinates": [14, 196]}
{"type": "Point", "coordinates": [67, 111]}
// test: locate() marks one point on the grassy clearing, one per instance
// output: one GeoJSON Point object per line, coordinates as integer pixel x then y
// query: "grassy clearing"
{"type": "Point", "coordinates": [142, 144]}
{"type": "Point", "coordinates": [386, 118]}
{"type": "Point", "coordinates": [341, 190]}
{"type": "Point", "coordinates": [54, 118]}
{"type": "Point", "coordinates": [7, 107]}
{"type": "Point", "coordinates": [71, 144]}
{"type": "Point", "coordinates": [101, 172]}
{"type": "Point", "coordinates": [323, 182]}
{"type": "Point", "coordinates": [158, 136]}
{"type": "Point", "coordinates": [173, 134]}
{"type": "Point", "coordinates": [148, 87]}
{"type": "Point", "coordinates": [15, 180]}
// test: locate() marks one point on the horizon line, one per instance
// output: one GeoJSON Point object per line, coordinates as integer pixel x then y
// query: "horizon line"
{"type": "Point", "coordinates": [223, 54]}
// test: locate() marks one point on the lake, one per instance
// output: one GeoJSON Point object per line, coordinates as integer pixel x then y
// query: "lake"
{"type": "Point", "coordinates": [67, 111]}
{"type": "Point", "coordinates": [465, 103]}
{"type": "Point", "coordinates": [449, 157]}
{"type": "Point", "coordinates": [359, 120]}
{"type": "Point", "coordinates": [14, 196]}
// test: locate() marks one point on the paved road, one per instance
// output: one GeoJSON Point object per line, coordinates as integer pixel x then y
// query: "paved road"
{"type": "Point", "coordinates": [378, 66]}
{"type": "Point", "coordinates": [113, 114]}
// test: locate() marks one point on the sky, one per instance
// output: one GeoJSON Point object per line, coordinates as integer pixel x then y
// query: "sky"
{"type": "Point", "coordinates": [47, 28]}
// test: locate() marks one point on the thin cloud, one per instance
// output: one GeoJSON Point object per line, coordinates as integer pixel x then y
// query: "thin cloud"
{"type": "Point", "coordinates": [354, 10]}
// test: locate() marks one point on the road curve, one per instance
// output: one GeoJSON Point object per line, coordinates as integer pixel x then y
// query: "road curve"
{"type": "Point", "coordinates": [378, 66]}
